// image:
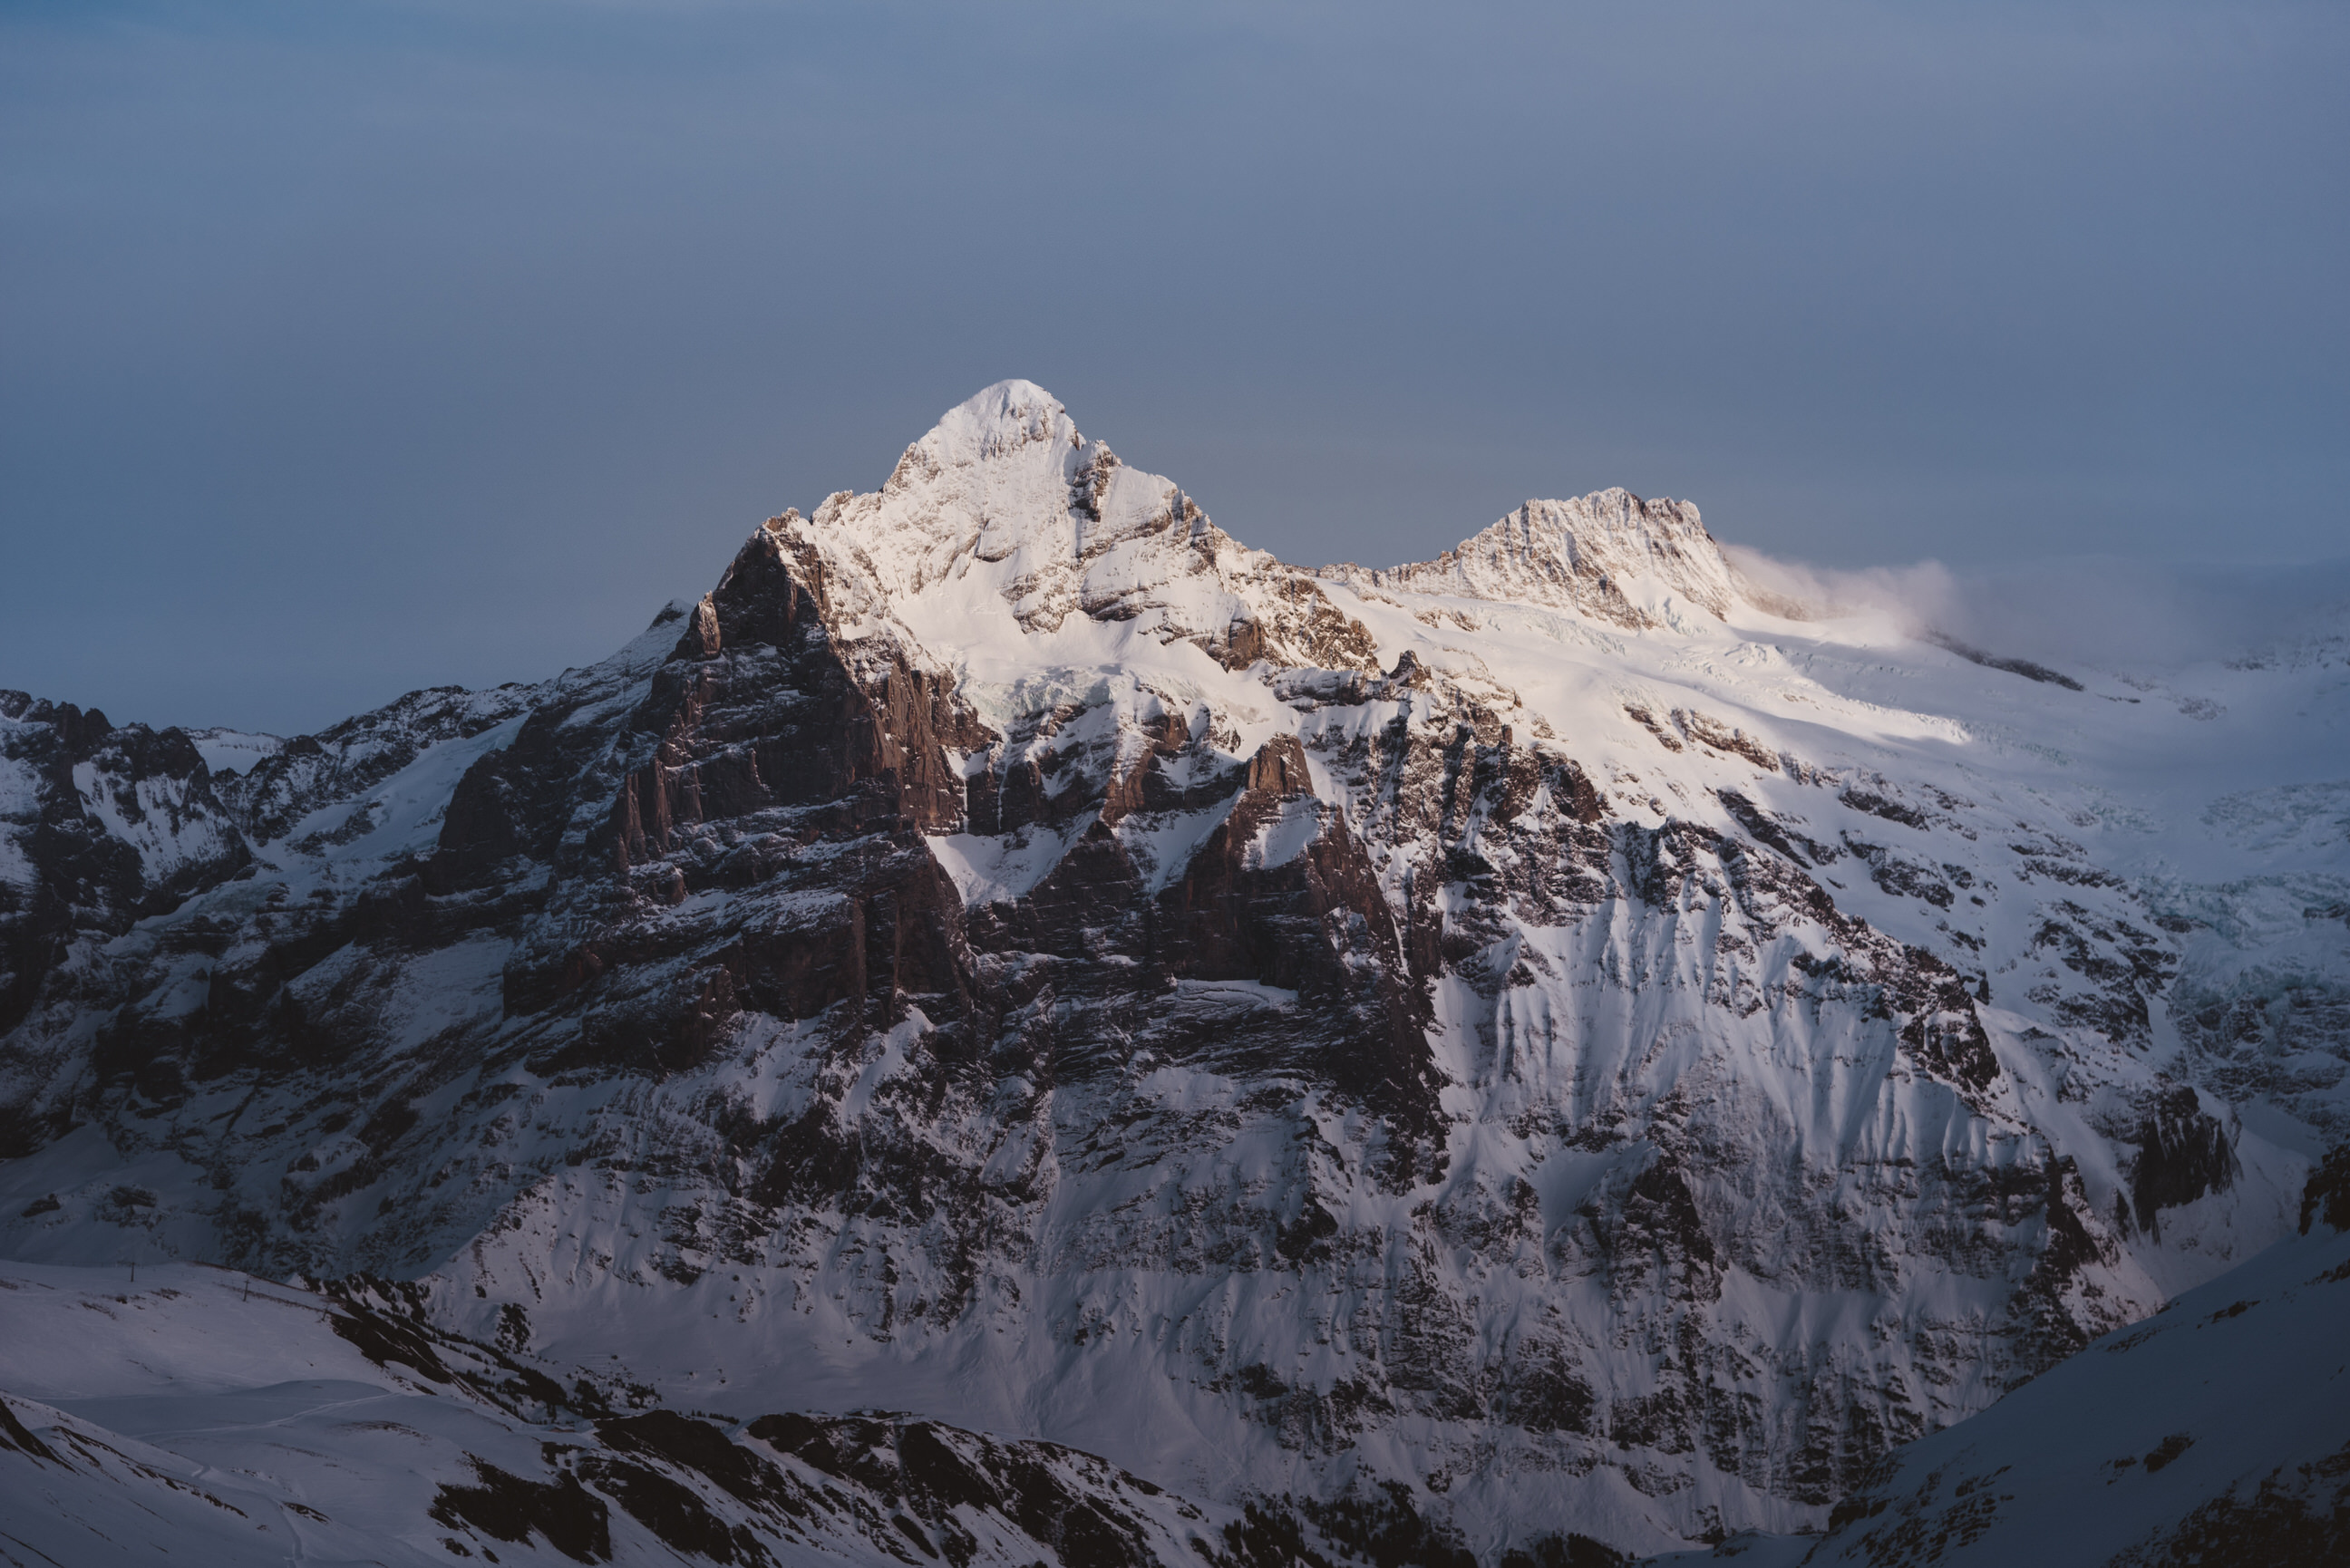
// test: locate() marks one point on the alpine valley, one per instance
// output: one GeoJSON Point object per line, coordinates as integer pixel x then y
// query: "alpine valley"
{"type": "Point", "coordinates": [1018, 1029]}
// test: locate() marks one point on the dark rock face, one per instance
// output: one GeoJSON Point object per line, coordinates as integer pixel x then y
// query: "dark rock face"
{"type": "Point", "coordinates": [2022, 667]}
{"type": "Point", "coordinates": [505, 1506]}
{"type": "Point", "coordinates": [928, 1472]}
{"type": "Point", "coordinates": [2327, 1195]}
{"type": "Point", "coordinates": [108, 826]}
{"type": "Point", "coordinates": [2182, 1154]}
{"type": "Point", "coordinates": [123, 824]}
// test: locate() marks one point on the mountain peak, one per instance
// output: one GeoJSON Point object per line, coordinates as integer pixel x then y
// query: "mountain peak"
{"type": "Point", "coordinates": [1004, 514]}
{"type": "Point", "coordinates": [1608, 553]}
{"type": "Point", "coordinates": [1005, 506]}
{"type": "Point", "coordinates": [997, 420]}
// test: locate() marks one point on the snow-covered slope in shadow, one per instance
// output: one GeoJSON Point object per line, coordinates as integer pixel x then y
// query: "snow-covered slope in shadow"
{"type": "Point", "coordinates": [2216, 1432]}
{"type": "Point", "coordinates": [201, 1417]}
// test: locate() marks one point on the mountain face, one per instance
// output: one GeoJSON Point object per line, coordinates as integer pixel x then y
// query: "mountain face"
{"type": "Point", "coordinates": [1531, 1028]}
{"type": "Point", "coordinates": [2216, 1432]}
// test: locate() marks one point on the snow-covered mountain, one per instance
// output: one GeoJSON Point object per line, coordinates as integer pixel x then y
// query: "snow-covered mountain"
{"type": "Point", "coordinates": [1536, 1027]}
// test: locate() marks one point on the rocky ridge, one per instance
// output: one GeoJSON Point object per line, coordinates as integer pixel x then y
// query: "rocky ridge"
{"type": "Point", "coordinates": [1609, 555]}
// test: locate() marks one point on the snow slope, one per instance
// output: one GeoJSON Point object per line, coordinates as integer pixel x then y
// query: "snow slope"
{"type": "Point", "coordinates": [2216, 1432]}
{"type": "Point", "coordinates": [205, 1417]}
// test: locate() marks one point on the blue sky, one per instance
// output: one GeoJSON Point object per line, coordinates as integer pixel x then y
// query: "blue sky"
{"type": "Point", "coordinates": [347, 349]}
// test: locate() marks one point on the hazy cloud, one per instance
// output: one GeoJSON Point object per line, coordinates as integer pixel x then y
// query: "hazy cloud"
{"type": "Point", "coordinates": [2095, 612]}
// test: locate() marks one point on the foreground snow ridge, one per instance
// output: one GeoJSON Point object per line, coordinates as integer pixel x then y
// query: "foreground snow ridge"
{"type": "Point", "coordinates": [1522, 1055]}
